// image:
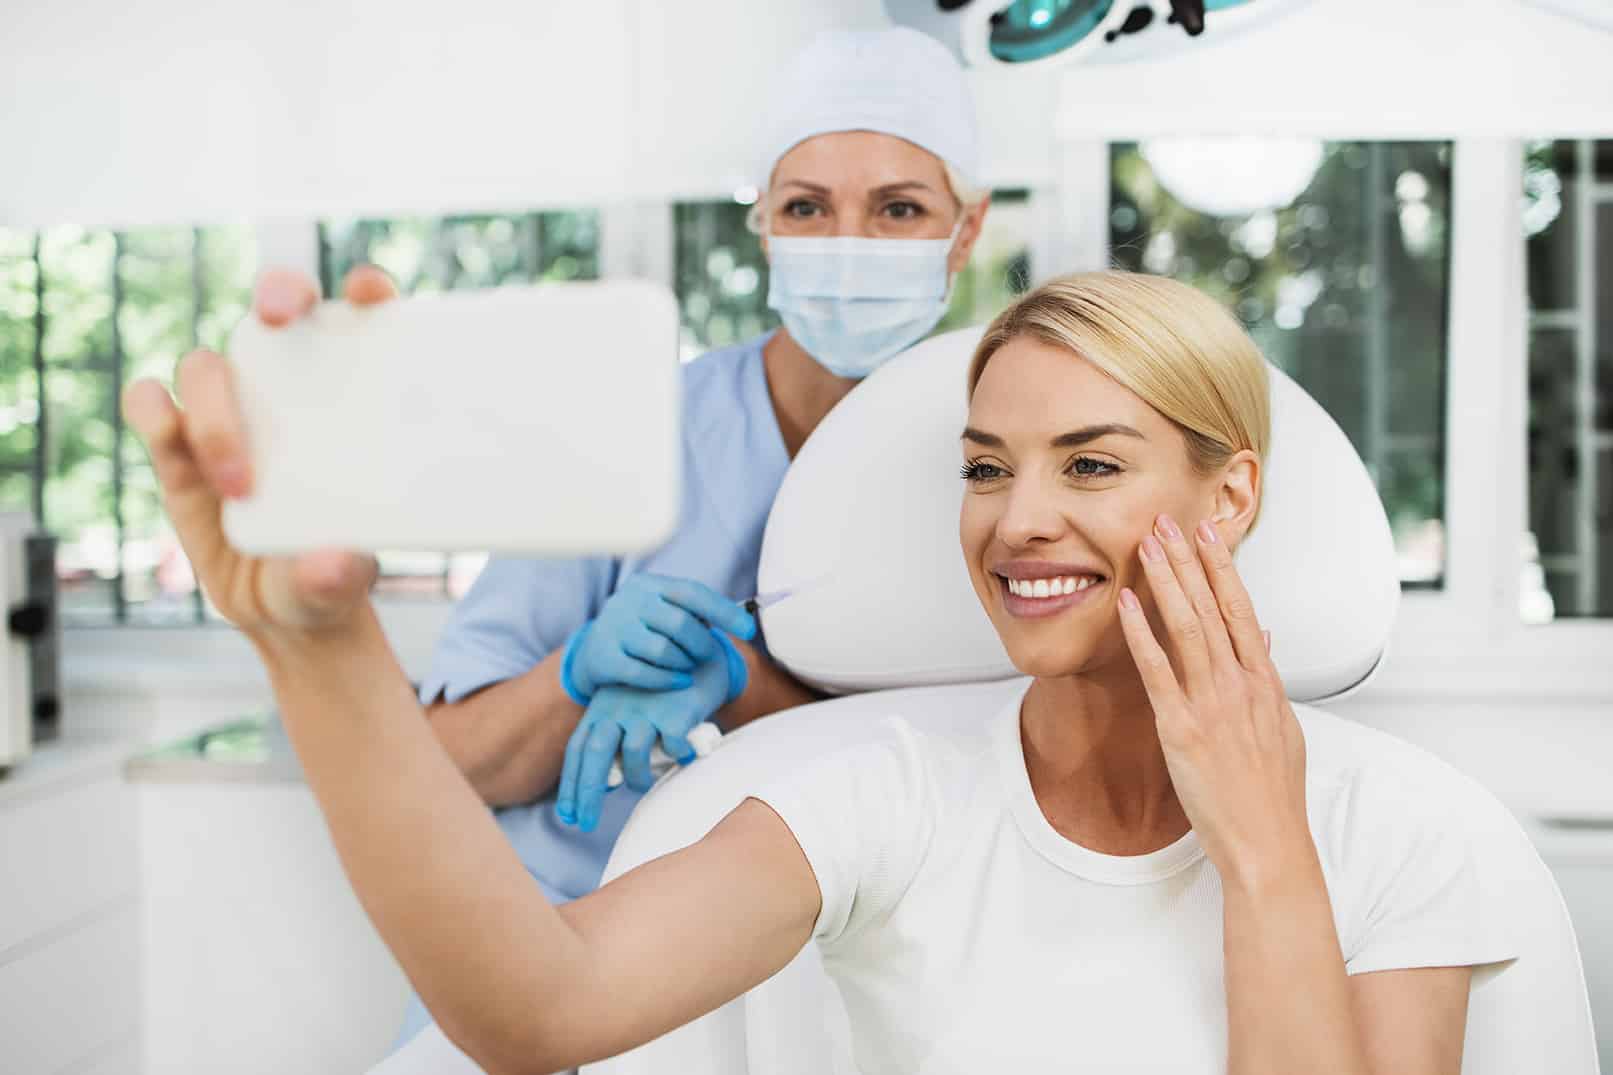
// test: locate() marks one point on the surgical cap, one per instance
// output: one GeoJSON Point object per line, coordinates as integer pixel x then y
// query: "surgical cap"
{"type": "Point", "coordinates": [896, 81]}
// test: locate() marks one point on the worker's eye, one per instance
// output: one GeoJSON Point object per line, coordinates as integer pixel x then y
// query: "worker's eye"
{"type": "Point", "coordinates": [905, 210]}
{"type": "Point", "coordinates": [802, 208]}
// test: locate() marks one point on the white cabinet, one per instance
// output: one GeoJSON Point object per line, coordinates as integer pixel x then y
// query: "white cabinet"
{"type": "Point", "coordinates": [69, 913]}
{"type": "Point", "coordinates": [260, 960]}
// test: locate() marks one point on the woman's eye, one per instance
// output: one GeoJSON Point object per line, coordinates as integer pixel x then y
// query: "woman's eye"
{"type": "Point", "coordinates": [799, 208]}
{"type": "Point", "coordinates": [978, 470]}
{"type": "Point", "coordinates": [1085, 466]}
{"type": "Point", "coordinates": [904, 210]}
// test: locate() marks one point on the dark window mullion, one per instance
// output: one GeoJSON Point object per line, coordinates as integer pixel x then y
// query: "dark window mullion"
{"type": "Point", "coordinates": [120, 610]}
{"type": "Point", "coordinates": [198, 295]}
{"type": "Point", "coordinates": [42, 413]}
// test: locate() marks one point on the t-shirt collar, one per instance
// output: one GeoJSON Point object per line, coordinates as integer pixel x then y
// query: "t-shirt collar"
{"type": "Point", "coordinates": [1155, 866]}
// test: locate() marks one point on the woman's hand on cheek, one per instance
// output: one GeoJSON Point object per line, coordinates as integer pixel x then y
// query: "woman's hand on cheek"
{"type": "Point", "coordinates": [1235, 751]}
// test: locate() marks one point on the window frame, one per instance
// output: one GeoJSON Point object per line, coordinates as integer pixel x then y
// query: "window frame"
{"type": "Point", "coordinates": [1464, 641]}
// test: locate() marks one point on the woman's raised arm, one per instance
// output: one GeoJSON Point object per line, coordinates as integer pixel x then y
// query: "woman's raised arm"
{"type": "Point", "coordinates": [518, 984]}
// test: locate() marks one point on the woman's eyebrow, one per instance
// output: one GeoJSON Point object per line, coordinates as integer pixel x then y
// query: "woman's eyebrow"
{"type": "Point", "coordinates": [815, 188]}
{"type": "Point", "coordinates": [1077, 437]}
{"type": "Point", "coordinates": [1073, 439]}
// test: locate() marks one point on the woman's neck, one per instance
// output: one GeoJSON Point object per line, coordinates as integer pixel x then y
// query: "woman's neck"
{"type": "Point", "coordinates": [1095, 764]}
{"type": "Point", "coordinates": [802, 391]}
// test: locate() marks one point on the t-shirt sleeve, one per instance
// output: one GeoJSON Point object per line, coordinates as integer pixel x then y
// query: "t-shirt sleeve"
{"type": "Point", "coordinates": [864, 816]}
{"type": "Point", "coordinates": [1421, 896]}
{"type": "Point", "coordinates": [515, 614]}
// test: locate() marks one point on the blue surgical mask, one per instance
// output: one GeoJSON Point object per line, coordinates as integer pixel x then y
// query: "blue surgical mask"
{"type": "Point", "coordinates": [853, 303]}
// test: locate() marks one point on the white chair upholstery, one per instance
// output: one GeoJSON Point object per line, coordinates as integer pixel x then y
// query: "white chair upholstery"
{"type": "Point", "coordinates": [879, 475]}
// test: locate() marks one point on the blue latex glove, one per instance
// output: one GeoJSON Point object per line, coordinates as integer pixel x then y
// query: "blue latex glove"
{"type": "Point", "coordinates": [651, 634]}
{"type": "Point", "coordinates": [629, 720]}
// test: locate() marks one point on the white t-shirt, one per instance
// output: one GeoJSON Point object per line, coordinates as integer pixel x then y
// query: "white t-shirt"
{"type": "Point", "coordinates": [966, 935]}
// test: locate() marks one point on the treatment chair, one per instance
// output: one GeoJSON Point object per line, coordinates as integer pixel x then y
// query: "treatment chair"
{"type": "Point", "coordinates": [866, 526]}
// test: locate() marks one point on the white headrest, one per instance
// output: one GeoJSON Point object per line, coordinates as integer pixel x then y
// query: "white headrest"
{"type": "Point", "coordinates": [866, 524]}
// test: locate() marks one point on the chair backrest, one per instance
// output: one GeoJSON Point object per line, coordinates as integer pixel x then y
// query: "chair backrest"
{"type": "Point", "coordinates": [883, 464]}
{"type": "Point", "coordinates": [870, 508]}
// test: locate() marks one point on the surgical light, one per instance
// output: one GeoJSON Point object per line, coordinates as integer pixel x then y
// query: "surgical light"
{"type": "Point", "coordinates": [1019, 33]}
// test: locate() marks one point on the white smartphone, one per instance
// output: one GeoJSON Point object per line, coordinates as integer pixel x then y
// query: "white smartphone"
{"type": "Point", "coordinates": [534, 419]}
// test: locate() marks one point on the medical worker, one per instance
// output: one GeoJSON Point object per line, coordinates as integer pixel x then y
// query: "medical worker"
{"type": "Point", "coordinates": [550, 670]}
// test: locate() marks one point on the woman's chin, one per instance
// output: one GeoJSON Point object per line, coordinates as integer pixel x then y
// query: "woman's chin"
{"type": "Point", "coordinates": [1049, 659]}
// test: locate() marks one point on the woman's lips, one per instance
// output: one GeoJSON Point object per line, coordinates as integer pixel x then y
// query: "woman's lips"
{"type": "Point", "coordinates": [1031, 607]}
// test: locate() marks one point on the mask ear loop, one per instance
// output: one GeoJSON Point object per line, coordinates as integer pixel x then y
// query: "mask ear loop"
{"type": "Point", "coordinates": [952, 241]}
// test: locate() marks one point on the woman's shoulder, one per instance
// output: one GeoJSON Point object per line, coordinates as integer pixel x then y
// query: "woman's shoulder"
{"type": "Point", "coordinates": [1357, 770]}
{"type": "Point", "coordinates": [1413, 849]}
{"type": "Point", "coordinates": [1338, 749]}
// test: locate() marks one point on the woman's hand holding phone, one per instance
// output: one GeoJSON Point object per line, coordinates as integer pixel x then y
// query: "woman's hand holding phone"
{"type": "Point", "coordinates": [199, 453]}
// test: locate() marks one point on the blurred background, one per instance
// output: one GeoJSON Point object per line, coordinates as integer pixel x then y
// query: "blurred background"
{"type": "Point", "coordinates": [1412, 213]}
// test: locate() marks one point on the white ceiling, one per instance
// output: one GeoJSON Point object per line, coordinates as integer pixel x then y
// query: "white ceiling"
{"type": "Point", "coordinates": [172, 110]}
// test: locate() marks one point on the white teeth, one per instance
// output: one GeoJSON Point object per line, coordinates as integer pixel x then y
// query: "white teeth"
{"type": "Point", "coordinates": [1044, 587]}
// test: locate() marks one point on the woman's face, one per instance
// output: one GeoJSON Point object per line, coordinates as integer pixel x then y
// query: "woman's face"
{"type": "Point", "coordinates": [870, 185]}
{"type": "Point", "coordinates": [1066, 473]}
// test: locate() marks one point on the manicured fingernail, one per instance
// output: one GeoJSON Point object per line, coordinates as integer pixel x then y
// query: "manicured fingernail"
{"type": "Point", "coordinates": [1167, 528]}
{"type": "Point", "coordinates": [1129, 599]}
{"type": "Point", "coordinates": [1152, 549]}
{"type": "Point", "coordinates": [1207, 533]}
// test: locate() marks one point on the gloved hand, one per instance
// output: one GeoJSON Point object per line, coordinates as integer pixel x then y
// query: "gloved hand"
{"type": "Point", "coordinates": [651, 634]}
{"type": "Point", "coordinates": [630, 720]}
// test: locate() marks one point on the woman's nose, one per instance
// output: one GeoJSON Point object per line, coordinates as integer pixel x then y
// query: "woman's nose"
{"type": "Point", "coordinates": [1029, 514]}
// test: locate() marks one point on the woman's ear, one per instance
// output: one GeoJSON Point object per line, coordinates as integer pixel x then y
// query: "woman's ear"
{"type": "Point", "coordinates": [1237, 496]}
{"type": "Point", "coordinates": [974, 219]}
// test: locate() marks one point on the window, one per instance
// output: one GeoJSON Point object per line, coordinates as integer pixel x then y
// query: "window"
{"type": "Point", "coordinates": [1335, 257]}
{"type": "Point", "coordinates": [720, 276]}
{"type": "Point", "coordinates": [81, 314]}
{"type": "Point", "coordinates": [453, 252]}
{"type": "Point", "coordinates": [445, 254]}
{"type": "Point", "coordinates": [720, 272]}
{"type": "Point", "coordinates": [1568, 221]}
{"type": "Point", "coordinates": [999, 268]}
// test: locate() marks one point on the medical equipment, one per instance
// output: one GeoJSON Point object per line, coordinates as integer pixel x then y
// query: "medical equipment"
{"type": "Point", "coordinates": [767, 600]}
{"type": "Point", "coordinates": [1019, 33]}
{"type": "Point", "coordinates": [29, 691]}
{"type": "Point", "coordinates": [464, 421]}
{"type": "Point", "coordinates": [703, 737]}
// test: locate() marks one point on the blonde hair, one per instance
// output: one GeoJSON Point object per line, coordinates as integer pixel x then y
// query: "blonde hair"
{"type": "Point", "coordinates": [967, 195]}
{"type": "Point", "coordinates": [1176, 348]}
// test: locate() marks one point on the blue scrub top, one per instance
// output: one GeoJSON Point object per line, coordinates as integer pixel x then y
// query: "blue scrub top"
{"type": "Point", "coordinates": [519, 610]}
